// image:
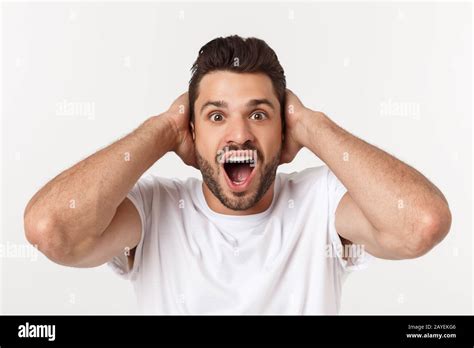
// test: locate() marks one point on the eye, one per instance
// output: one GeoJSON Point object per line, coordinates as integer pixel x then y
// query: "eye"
{"type": "Point", "coordinates": [258, 116]}
{"type": "Point", "coordinates": [216, 117]}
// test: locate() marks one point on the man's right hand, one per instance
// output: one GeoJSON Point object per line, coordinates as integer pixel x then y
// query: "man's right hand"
{"type": "Point", "coordinates": [178, 115]}
{"type": "Point", "coordinates": [104, 222]}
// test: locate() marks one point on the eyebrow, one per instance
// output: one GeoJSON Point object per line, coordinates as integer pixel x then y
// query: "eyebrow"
{"type": "Point", "coordinates": [250, 103]}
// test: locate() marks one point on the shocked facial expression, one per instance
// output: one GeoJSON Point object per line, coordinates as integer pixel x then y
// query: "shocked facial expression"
{"type": "Point", "coordinates": [238, 136]}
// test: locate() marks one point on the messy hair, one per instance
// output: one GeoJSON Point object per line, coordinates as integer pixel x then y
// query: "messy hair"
{"type": "Point", "coordinates": [237, 54]}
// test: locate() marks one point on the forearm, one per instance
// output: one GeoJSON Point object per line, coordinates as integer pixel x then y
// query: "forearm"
{"type": "Point", "coordinates": [83, 199]}
{"type": "Point", "coordinates": [391, 194]}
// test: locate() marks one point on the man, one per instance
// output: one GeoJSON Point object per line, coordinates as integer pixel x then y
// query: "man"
{"type": "Point", "coordinates": [245, 239]}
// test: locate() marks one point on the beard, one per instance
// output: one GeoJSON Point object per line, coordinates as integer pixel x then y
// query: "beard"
{"type": "Point", "coordinates": [238, 200]}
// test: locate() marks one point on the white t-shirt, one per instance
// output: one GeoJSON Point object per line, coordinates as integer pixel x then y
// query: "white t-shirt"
{"type": "Point", "coordinates": [285, 260]}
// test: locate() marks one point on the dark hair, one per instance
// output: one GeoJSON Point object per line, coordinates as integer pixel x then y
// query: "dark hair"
{"type": "Point", "coordinates": [236, 54]}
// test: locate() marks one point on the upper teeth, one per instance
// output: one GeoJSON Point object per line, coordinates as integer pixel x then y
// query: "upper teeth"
{"type": "Point", "coordinates": [240, 159]}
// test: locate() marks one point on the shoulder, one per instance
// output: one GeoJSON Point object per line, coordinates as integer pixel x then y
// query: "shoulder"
{"type": "Point", "coordinates": [310, 183]}
{"type": "Point", "coordinates": [153, 190]}
{"type": "Point", "coordinates": [152, 194]}
{"type": "Point", "coordinates": [158, 184]}
{"type": "Point", "coordinates": [308, 176]}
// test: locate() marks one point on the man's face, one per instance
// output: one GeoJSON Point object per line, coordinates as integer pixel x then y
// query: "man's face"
{"type": "Point", "coordinates": [238, 131]}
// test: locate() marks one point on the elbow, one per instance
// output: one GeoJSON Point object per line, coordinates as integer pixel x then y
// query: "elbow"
{"type": "Point", "coordinates": [44, 233]}
{"type": "Point", "coordinates": [432, 228]}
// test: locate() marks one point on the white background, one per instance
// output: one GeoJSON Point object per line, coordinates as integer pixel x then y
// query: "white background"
{"type": "Point", "coordinates": [76, 77]}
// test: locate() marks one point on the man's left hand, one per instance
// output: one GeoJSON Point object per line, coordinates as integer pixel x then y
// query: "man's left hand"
{"type": "Point", "coordinates": [298, 119]}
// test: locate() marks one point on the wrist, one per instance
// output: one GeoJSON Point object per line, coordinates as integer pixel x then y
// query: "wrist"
{"type": "Point", "coordinates": [310, 123]}
{"type": "Point", "coordinates": [164, 132]}
{"type": "Point", "coordinates": [320, 129]}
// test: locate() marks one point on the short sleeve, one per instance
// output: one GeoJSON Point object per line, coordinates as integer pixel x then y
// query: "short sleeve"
{"type": "Point", "coordinates": [357, 258]}
{"type": "Point", "coordinates": [141, 195]}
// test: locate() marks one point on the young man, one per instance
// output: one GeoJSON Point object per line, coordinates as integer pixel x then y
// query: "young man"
{"type": "Point", "coordinates": [245, 239]}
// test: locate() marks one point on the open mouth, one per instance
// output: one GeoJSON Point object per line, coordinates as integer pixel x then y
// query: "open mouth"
{"type": "Point", "coordinates": [239, 172]}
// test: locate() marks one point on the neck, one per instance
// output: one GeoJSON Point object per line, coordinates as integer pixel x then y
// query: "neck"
{"type": "Point", "coordinates": [215, 204]}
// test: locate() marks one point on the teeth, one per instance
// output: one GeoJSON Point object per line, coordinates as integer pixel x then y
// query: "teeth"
{"type": "Point", "coordinates": [240, 160]}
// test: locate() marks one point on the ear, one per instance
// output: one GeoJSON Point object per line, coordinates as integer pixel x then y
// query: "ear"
{"type": "Point", "coordinates": [192, 130]}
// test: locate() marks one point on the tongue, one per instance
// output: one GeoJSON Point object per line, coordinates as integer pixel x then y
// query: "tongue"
{"type": "Point", "coordinates": [239, 172]}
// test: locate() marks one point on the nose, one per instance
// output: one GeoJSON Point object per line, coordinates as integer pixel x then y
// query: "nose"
{"type": "Point", "coordinates": [238, 131]}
